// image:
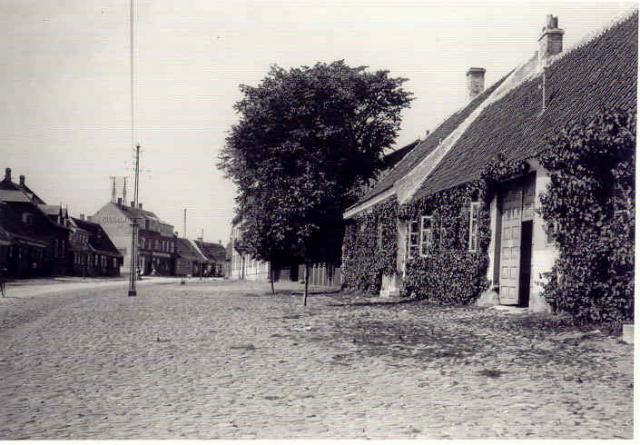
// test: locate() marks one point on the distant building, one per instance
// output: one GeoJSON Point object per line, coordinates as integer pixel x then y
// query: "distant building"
{"type": "Point", "coordinates": [216, 258]}
{"type": "Point", "coordinates": [243, 266]}
{"type": "Point", "coordinates": [31, 244]}
{"type": "Point", "coordinates": [104, 258]}
{"type": "Point", "coordinates": [78, 251]}
{"type": "Point", "coordinates": [190, 260]}
{"type": "Point", "coordinates": [157, 242]}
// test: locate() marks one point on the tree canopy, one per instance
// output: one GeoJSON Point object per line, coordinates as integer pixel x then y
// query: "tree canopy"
{"type": "Point", "coordinates": [306, 139]}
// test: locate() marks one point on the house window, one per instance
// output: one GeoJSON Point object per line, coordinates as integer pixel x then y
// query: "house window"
{"type": "Point", "coordinates": [27, 219]}
{"type": "Point", "coordinates": [426, 235]}
{"type": "Point", "coordinates": [474, 212]}
{"type": "Point", "coordinates": [413, 239]}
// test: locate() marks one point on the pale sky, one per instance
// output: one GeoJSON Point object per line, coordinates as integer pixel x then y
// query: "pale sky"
{"type": "Point", "coordinates": [64, 82]}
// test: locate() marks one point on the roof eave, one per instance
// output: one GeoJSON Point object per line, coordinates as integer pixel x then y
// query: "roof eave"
{"type": "Point", "coordinates": [361, 207]}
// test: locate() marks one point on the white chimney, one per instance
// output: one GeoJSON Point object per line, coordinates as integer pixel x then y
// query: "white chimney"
{"type": "Point", "coordinates": [475, 81]}
{"type": "Point", "coordinates": [550, 41]}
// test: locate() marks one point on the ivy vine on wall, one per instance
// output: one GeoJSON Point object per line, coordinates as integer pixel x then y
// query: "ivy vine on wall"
{"type": "Point", "coordinates": [370, 247]}
{"type": "Point", "coordinates": [450, 273]}
{"type": "Point", "coordinates": [589, 208]}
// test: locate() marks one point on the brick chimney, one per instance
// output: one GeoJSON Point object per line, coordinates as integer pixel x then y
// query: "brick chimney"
{"type": "Point", "coordinates": [133, 204]}
{"type": "Point", "coordinates": [551, 39]}
{"type": "Point", "coordinates": [119, 201]}
{"type": "Point", "coordinates": [475, 81]}
{"type": "Point", "coordinates": [82, 216]}
{"type": "Point", "coordinates": [22, 180]}
{"type": "Point", "coordinates": [140, 206]}
{"type": "Point", "coordinates": [7, 174]}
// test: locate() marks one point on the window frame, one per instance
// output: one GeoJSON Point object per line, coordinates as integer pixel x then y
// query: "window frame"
{"type": "Point", "coordinates": [410, 233]}
{"type": "Point", "coordinates": [425, 245]}
{"type": "Point", "coordinates": [474, 217]}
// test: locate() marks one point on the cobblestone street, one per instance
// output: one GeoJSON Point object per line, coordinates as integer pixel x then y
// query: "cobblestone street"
{"type": "Point", "coordinates": [228, 360]}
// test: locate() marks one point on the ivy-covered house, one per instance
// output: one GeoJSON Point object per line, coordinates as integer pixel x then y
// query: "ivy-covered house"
{"type": "Point", "coordinates": [478, 206]}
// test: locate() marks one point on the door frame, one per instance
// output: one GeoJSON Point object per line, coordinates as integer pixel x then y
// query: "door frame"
{"type": "Point", "coordinates": [525, 183]}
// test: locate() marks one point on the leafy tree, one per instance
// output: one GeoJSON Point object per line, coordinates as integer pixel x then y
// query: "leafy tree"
{"type": "Point", "coordinates": [306, 140]}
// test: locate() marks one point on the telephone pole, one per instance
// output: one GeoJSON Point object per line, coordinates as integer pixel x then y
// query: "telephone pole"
{"type": "Point", "coordinates": [184, 225]}
{"type": "Point", "coordinates": [134, 219]}
{"type": "Point", "coordinates": [134, 231]}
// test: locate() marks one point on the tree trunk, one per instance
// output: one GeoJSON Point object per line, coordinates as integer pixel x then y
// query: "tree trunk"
{"type": "Point", "coordinates": [306, 283]}
{"type": "Point", "coordinates": [273, 290]}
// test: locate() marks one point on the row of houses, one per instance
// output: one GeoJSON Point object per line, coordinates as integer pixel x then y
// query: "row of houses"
{"type": "Point", "coordinates": [37, 239]}
{"type": "Point", "coordinates": [160, 250]}
{"type": "Point", "coordinates": [503, 248]}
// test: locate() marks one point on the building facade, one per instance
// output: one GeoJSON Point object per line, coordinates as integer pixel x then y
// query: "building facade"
{"type": "Point", "coordinates": [442, 226]}
{"type": "Point", "coordinates": [190, 260]}
{"type": "Point", "coordinates": [157, 243]}
{"type": "Point", "coordinates": [216, 256]}
{"type": "Point", "coordinates": [33, 244]}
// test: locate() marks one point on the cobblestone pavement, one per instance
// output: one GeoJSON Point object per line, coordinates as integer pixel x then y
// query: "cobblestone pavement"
{"type": "Point", "coordinates": [227, 360]}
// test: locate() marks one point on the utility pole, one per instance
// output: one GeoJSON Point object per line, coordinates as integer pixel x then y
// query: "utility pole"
{"type": "Point", "coordinates": [184, 224]}
{"type": "Point", "coordinates": [134, 232]}
{"type": "Point", "coordinates": [113, 188]}
{"type": "Point", "coordinates": [134, 220]}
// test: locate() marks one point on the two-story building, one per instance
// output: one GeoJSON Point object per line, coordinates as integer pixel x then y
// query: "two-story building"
{"type": "Point", "coordinates": [156, 239]}
{"type": "Point", "coordinates": [103, 258]}
{"type": "Point", "coordinates": [34, 245]}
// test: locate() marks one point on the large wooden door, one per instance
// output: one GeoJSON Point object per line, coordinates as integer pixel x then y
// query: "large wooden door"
{"type": "Point", "coordinates": [510, 244]}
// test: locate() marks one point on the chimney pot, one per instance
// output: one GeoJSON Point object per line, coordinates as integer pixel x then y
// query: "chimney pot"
{"type": "Point", "coordinates": [475, 81]}
{"type": "Point", "coordinates": [550, 41]}
{"type": "Point", "coordinates": [7, 174]}
{"type": "Point", "coordinates": [22, 180]}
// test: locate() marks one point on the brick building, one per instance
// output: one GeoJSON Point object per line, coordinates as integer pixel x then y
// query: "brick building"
{"type": "Point", "coordinates": [32, 244]}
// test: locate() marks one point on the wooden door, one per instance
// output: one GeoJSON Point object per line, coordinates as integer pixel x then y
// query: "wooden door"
{"type": "Point", "coordinates": [510, 244]}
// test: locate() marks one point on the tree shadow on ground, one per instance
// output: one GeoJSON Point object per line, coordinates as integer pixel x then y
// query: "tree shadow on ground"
{"type": "Point", "coordinates": [373, 303]}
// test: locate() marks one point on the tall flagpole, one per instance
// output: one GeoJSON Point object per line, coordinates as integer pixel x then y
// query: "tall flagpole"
{"type": "Point", "coordinates": [134, 219]}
